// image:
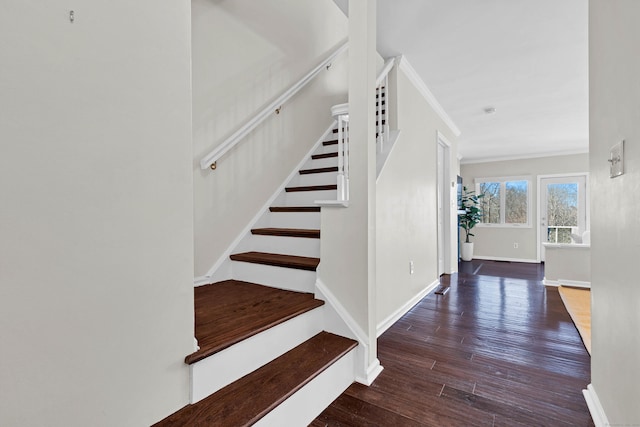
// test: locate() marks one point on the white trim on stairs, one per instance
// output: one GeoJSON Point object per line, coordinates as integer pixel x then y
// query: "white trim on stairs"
{"type": "Point", "coordinates": [226, 366]}
{"type": "Point", "coordinates": [201, 281]}
{"type": "Point", "coordinates": [366, 372]}
{"type": "Point", "coordinates": [417, 81]}
{"type": "Point", "coordinates": [396, 315]}
{"type": "Point", "coordinates": [381, 158]}
{"type": "Point", "coordinates": [595, 407]}
{"type": "Point", "coordinates": [217, 273]}
{"type": "Point", "coordinates": [301, 408]}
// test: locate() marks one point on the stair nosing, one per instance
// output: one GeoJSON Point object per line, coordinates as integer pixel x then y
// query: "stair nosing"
{"type": "Point", "coordinates": [311, 233]}
{"type": "Point", "coordinates": [292, 311]}
{"type": "Point", "coordinates": [318, 170]}
{"type": "Point", "coordinates": [256, 257]}
{"type": "Point", "coordinates": [324, 156]}
{"type": "Point", "coordinates": [288, 209]}
{"type": "Point", "coordinates": [327, 187]}
{"type": "Point", "coordinates": [193, 413]}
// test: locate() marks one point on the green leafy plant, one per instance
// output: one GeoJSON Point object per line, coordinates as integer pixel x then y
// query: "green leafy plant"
{"type": "Point", "coordinates": [473, 214]}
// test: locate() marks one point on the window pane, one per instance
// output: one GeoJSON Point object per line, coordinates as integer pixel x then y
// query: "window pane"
{"type": "Point", "coordinates": [490, 203]}
{"type": "Point", "coordinates": [516, 202]}
{"type": "Point", "coordinates": [562, 205]}
{"type": "Point", "coordinates": [562, 211]}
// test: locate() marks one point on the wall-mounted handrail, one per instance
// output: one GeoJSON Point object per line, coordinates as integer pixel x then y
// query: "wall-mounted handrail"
{"type": "Point", "coordinates": [243, 131]}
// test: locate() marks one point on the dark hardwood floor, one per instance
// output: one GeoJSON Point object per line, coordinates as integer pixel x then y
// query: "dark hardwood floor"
{"type": "Point", "coordinates": [496, 350]}
{"type": "Point", "coordinates": [515, 270]}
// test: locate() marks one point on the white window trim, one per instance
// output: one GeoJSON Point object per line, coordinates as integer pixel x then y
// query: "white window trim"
{"type": "Point", "coordinates": [502, 180]}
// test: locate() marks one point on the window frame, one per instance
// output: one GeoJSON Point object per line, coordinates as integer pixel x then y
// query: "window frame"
{"type": "Point", "coordinates": [503, 180]}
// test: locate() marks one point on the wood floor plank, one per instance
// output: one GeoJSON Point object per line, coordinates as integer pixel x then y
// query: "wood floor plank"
{"type": "Point", "coordinates": [499, 346]}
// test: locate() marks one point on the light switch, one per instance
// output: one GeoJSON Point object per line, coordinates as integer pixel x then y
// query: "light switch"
{"type": "Point", "coordinates": [616, 160]}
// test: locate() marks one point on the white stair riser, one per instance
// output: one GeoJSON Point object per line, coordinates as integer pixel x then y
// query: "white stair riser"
{"type": "Point", "coordinates": [278, 277]}
{"type": "Point", "coordinates": [321, 163]}
{"type": "Point", "coordinates": [307, 198]}
{"type": "Point", "coordinates": [315, 179]}
{"type": "Point", "coordinates": [215, 372]}
{"type": "Point", "coordinates": [301, 246]}
{"type": "Point", "coordinates": [309, 220]}
{"type": "Point", "coordinates": [306, 404]}
{"type": "Point", "coordinates": [327, 148]}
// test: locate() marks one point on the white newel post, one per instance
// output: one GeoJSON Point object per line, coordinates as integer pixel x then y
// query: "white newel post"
{"type": "Point", "coordinates": [341, 114]}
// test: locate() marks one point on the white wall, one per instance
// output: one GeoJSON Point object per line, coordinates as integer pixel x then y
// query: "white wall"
{"type": "Point", "coordinates": [406, 202]}
{"type": "Point", "coordinates": [495, 242]}
{"type": "Point", "coordinates": [614, 67]}
{"type": "Point", "coordinates": [245, 53]}
{"type": "Point", "coordinates": [96, 252]}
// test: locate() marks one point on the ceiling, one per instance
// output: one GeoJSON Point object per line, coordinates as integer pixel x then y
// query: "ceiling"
{"type": "Point", "coordinates": [528, 59]}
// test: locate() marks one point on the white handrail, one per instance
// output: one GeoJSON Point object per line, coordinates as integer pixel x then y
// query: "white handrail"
{"type": "Point", "coordinates": [231, 141]}
{"type": "Point", "coordinates": [388, 65]}
{"type": "Point", "coordinates": [382, 90]}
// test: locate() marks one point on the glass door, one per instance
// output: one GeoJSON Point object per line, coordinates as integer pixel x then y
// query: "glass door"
{"type": "Point", "coordinates": [563, 209]}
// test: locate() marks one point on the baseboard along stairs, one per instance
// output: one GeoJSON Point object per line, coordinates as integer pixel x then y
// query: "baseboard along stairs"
{"type": "Point", "coordinates": [265, 357]}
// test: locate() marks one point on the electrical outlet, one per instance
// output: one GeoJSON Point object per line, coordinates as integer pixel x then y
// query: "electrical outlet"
{"type": "Point", "coordinates": [410, 267]}
{"type": "Point", "coordinates": [515, 245]}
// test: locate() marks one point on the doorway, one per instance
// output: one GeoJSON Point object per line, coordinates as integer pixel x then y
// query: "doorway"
{"type": "Point", "coordinates": [562, 209]}
{"type": "Point", "coordinates": [444, 208]}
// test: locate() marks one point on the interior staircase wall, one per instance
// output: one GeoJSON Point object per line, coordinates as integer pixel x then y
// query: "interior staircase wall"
{"type": "Point", "coordinates": [406, 212]}
{"type": "Point", "coordinates": [245, 53]}
{"type": "Point", "coordinates": [96, 218]}
{"type": "Point", "coordinates": [614, 66]}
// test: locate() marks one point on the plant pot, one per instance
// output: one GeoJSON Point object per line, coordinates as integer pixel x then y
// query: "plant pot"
{"type": "Point", "coordinates": [466, 251]}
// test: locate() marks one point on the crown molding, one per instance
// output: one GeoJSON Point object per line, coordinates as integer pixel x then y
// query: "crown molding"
{"type": "Point", "coordinates": [417, 81]}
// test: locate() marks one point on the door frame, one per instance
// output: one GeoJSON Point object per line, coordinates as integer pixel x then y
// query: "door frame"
{"type": "Point", "coordinates": [539, 205]}
{"type": "Point", "coordinates": [447, 187]}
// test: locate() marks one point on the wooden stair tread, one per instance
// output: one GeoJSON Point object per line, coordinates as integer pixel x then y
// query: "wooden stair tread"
{"type": "Point", "coordinates": [230, 311]}
{"type": "Point", "coordinates": [278, 260]}
{"type": "Point", "coordinates": [311, 188]}
{"type": "Point", "coordinates": [295, 209]}
{"type": "Point", "coordinates": [287, 232]}
{"type": "Point", "coordinates": [324, 156]}
{"type": "Point", "coordinates": [331, 142]}
{"type": "Point", "coordinates": [318, 170]}
{"type": "Point", "coordinates": [250, 398]}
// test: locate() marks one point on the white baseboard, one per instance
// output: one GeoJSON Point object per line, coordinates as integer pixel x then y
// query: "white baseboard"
{"type": "Point", "coordinates": [340, 322]}
{"type": "Point", "coordinates": [396, 315]}
{"type": "Point", "coordinates": [572, 283]}
{"type": "Point", "coordinates": [201, 281]}
{"type": "Point", "coordinates": [225, 256]}
{"type": "Point", "coordinates": [324, 293]}
{"type": "Point", "coordinates": [595, 408]}
{"type": "Point", "coordinates": [497, 258]}
{"type": "Point", "coordinates": [371, 373]}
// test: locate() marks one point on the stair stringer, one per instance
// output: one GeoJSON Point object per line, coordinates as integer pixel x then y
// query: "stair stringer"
{"type": "Point", "coordinates": [338, 321]}
{"type": "Point", "coordinates": [221, 269]}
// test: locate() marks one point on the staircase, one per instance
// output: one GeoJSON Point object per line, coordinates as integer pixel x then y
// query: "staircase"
{"type": "Point", "coordinates": [264, 357]}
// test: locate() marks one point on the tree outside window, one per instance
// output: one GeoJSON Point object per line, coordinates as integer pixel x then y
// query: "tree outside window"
{"type": "Point", "coordinates": [505, 201]}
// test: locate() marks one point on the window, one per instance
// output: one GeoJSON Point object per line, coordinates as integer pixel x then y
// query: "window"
{"type": "Point", "coordinates": [505, 201]}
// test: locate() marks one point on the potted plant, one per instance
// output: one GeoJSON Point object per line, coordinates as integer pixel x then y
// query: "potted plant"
{"type": "Point", "coordinates": [472, 216]}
